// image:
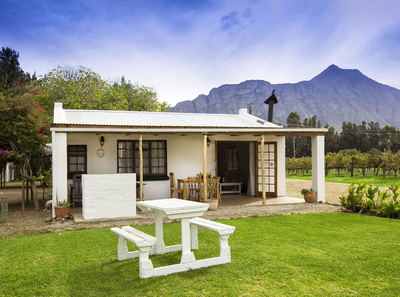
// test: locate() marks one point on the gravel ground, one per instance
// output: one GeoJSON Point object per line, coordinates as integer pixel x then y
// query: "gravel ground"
{"type": "Point", "coordinates": [33, 222]}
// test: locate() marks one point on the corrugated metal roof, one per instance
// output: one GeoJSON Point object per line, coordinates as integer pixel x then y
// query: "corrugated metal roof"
{"type": "Point", "coordinates": [160, 119]}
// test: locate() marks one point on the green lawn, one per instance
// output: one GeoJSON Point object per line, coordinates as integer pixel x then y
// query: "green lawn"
{"type": "Point", "coordinates": [327, 254]}
{"type": "Point", "coordinates": [347, 179]}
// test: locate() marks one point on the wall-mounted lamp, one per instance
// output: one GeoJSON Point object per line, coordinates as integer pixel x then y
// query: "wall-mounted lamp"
{"type": "Point", "coordinates": [102, 141]}
{"type": "Point", "coordinates": [208, 141]}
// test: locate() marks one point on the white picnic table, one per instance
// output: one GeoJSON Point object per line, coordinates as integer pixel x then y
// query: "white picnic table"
{"type": "Point", "coordinates": [188, 212]}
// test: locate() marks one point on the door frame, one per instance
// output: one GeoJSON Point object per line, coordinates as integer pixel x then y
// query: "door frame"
{"type": "Point", "coordinates": [268, 194]}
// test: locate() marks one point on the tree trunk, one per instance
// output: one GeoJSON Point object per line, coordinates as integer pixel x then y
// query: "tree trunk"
{"type": "Point", "coordinates": [33, 191]}
{"type": "Point", "coordinates": [23, 193]}
{"type": "Point", "coordinates": [294, 147]}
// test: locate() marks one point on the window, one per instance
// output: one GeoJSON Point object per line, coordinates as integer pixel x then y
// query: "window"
{"type": "Point", "coordinates": [154, 157]}
{"type": "Point", "coordinates": [77, 160]}
{"type": "Point", "coordinates": [232, 156]}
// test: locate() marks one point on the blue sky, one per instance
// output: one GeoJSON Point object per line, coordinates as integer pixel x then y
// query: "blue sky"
{"type": "Point", "coordinates": [185, 48]}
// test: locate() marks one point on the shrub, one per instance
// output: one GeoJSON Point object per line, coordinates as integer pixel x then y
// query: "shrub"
{"type": "Point", "coordinates": [362, 198]}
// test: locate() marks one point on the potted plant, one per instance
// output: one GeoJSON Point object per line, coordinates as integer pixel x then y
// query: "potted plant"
{"type": "Point", "coordinates": [62, 208]}
{"type": "Point", "coordinates": [212, 202]}
{"type": "Point", "coordinates": [309, 194]}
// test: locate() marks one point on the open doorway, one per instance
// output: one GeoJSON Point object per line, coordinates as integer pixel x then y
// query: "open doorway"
{"type": "Point", "coordinates": [233, 165]}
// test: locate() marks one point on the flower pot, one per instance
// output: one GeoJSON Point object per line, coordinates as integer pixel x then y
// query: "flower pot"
{"type": "Point", "coordinates": [61, 210]}
{"type": "Point", "coordinates": [309, 197]}
{"type": "Point", "coordinates": [213, 204]}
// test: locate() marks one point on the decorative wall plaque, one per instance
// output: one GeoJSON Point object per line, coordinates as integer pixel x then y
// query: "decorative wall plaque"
{"type": "Point", "coordinates": [100, 153]}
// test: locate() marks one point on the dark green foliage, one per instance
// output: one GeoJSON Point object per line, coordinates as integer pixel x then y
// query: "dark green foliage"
{"type": "Point", "coordinates": [364, 137]}
{"type": "Point", "coordinates": [10, 71]}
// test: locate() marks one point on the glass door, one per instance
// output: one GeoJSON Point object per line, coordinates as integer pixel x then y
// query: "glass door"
{"type": "Point", "coordinates": [270, 169]}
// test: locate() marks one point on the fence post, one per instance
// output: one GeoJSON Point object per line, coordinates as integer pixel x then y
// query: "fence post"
{"type": "Point", "coordinates": [23, 193]}
{"type": "Point", "coordinates": [304, 164]}
{"type": "Point", "coordinates": [4, 210]}
{"type": "Point", "coordinates": [351, 166]}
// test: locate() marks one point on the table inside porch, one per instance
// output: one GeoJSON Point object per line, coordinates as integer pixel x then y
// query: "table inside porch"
{"type": "Point", "coordinates": [184, 182]}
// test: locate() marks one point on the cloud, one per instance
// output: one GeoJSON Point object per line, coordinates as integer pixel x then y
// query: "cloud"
{"type": "Point", "coordinates": [230, 20]}
{"type": "Point", "coordinates": [184, 48]}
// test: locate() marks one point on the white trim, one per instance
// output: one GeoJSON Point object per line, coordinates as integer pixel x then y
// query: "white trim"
{"type": "Point", "coordinates": [190, 130]}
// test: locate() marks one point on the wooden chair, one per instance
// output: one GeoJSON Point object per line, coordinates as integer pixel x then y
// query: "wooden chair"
{"type": "Point", "coordinates": [76, 189]}
{"type": "Point", "coordinates": [215, 182]}
{"type": "Point", "coordinates": [194, 189]}
{"type": "Point", "coordinates": [174, 191]}
{"type": "Point", "coordinates": [201, 188]}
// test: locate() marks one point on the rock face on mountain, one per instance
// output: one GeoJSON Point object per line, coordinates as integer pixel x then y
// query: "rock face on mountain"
{"type": "Point", "coordinates": [336, 95]}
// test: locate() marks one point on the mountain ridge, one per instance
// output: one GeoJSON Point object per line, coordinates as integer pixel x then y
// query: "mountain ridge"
{"type": "Point", "coordinates": [335, 95]}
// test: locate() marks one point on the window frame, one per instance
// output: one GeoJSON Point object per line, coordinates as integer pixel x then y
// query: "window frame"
{"type": "Point", "coordinates": [71, 153]}
{"type": "Point", "coordinates": [135, 155]}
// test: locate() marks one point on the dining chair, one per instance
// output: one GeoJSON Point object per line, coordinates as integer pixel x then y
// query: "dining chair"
{"type": "Point", "coordinates": [215, 182]}
{"type": "Point", "coordinates": [194, 189]}
{"type": "Point", "coordinates": [201, 188]}
{"type": "Point", "coordinates": [174, 191]}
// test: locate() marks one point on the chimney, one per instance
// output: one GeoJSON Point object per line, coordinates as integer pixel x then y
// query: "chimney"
{"type": "Point", "coordinates": [271, 101]}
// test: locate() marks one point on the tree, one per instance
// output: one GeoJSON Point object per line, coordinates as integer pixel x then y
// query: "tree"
{"type": "Point", "coordinates": [362, 137]}
{"type": "Point", "coordinates": [373, 131]}
{"type": "Point", "coordinates": [10, 71]}
{"type": "Point", "coordinates": [348, 136]}
{"type": "Point", "coordinates": [390, 138]}
{"type": "Point", "coordinates": [76, 88]}
{"type": "Point", "coordinates": [292, 121]}
{"type": "Point", "coordinates": [331, 140]}
{"type": "Point", "coordinates": [24, 130]}
{"type": "Point", "coordinates": [82, 88]}
{"type": "Point", "coordinates": [128, 96]}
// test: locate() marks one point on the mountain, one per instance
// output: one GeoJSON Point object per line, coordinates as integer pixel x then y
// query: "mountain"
{"type": "Point", "coordinates": [335, 95]}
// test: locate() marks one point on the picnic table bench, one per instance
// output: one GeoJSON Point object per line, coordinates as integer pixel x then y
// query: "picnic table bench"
{"type": "Point", "coordinates": [143, 241]}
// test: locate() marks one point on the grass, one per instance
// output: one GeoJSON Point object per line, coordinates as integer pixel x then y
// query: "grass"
{"type": "Point", "coordinates": [326, 254]}
{"type": "Point", "coordinates": [347, 179]}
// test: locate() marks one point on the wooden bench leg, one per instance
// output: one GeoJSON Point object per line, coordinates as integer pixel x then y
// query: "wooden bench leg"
{"type": "Point", "coordinates": [122, 249]}
{"type": "Point", "coordinates": [225, 249]}
{"type": "Point", "coordinates": [145, 263]}
{"type": "Point", "coordinates": [194, 241]}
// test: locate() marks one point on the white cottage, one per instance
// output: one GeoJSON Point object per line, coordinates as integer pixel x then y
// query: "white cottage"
{"type": "Point", "coordinates": [108, 147]}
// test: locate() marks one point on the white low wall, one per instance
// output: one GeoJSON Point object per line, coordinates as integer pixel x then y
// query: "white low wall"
{"type": "Point", "coordinates": [106, 196]}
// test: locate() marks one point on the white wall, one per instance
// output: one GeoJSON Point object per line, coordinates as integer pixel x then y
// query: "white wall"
{"type": "Point", "coordinates": [281, 166]}
{"type": "Point", "coordinates": [107, 196]}
{"type": "Point", "coordinates": [59, 164]}
{"type": "Point", "coordinates": [318, 170]}
{"type": "Point", "coordinates": [185, 156]}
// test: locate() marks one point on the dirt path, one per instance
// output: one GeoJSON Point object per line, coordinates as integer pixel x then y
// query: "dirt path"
{"type": "Point", "coordinates": [332, 190]}
{"type": "Point", "coordinates": [33, 222]}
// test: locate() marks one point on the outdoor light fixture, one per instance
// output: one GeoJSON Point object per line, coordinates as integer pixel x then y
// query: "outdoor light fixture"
{"type": "Point", "coordinates": [208, 141]}
{"type": "Point", "coordinates": [102, 141]}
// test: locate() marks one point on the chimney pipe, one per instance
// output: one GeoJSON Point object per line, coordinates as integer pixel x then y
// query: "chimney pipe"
{"type": "Point", "coordinates": [271, 101]}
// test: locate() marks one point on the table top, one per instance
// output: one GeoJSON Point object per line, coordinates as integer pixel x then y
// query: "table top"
{"type": "Point", "coordinates": [174, 208]}
{"type": "Point", "coordinates": [195, 180]}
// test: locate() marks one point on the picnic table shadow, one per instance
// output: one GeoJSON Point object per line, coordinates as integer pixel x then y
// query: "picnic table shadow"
{"type": "Point", "coordinates": [116, 275]}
